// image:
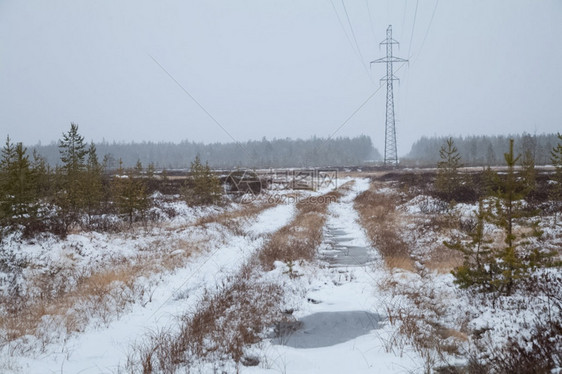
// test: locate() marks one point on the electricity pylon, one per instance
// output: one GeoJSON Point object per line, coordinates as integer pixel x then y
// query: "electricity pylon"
{"type": "Point", "coordinates": [390, 152]}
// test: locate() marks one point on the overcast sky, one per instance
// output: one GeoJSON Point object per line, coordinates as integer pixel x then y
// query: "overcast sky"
{"type": "Point", "coordinates": [276, 68]}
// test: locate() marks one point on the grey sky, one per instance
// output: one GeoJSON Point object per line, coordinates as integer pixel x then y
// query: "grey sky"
{"type": "Point", "coordinates": [276, 68]}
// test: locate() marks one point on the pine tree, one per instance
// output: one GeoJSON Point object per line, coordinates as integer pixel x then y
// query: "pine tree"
{"type": "Point", "coordinates": [18, 185]}
{"type": "Point", "coordinates": [529, 173]}
{"type": "Point", "coordinates": [150, 170]}
{"type": "Point", "coordinates": [203, 187]}
{"type": "Point", "coordinates": [92, 182]}
{"type": "Point", "coordinates": [489, 181]}
{"type": "Point", "coordinates": [8, 154]}
{"type": "Point", "coordinates": [130, 193]}
{"type": "Point", "coordinates": [43, 174]}
{"type": "Point", "coordinates": [555, 192]}
{"type": "Point", "coordinates": [448, 179]}
{"type": "Point", "coordinates": [503, 213]}
{"type": "Point", "coordinates": [501, 268]}
{"type": "Point", "coordinates": [70, 199]}
{"type": "Point", "coordinates": [73, 150]}
{"type": "Point", "coordinates": [477, 269]}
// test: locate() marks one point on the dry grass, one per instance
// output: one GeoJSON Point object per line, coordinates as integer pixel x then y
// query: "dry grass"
{"type": "Point", "coordinates": [417, 317]}
{"type": "Point", "coordinates": [299, 239]}
{"type": "Point", "coordinates": [62, 310]}
{"type": "Point", "coordinates": [443, 260]}
{"type": "Point", "coordinates": [63, 302]}
{"type": "Point", "coordinates": [409, 243]}
{"type": "Point", "coordinates": [384, 225]}
{"type": "Point", "coordinates": [399, 262]}
{"type": "Point", "coordinates": [379, 217]}
{"type": "Point", "coordinates": [223, 325]}
{"type": "Point", "coordinates": [233, 318]}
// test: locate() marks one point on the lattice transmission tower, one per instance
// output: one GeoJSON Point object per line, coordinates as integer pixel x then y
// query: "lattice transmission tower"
{"type": "Point", "coordinates": [390, 152]}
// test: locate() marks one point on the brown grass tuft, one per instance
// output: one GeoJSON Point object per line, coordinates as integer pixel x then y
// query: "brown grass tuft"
{"type": "Point", "coordinates": [378, 216]}
{"type": "Point", "coordinates": [299, 239]}
{"type": "Point", "coordinates": [443, 259]}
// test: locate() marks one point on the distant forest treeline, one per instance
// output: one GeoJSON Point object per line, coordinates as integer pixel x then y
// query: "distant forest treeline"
{"type": "Point", "coordinates": [276, 153]}
{"type": "Point", "coordinates": [484, 150]}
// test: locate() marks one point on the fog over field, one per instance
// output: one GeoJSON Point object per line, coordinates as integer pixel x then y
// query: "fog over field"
{"type": "Point", "coordinates": [276, 69]}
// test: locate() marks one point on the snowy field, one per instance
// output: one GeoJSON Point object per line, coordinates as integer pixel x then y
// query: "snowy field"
{"type": "Point", "coordinates": [350, 312]}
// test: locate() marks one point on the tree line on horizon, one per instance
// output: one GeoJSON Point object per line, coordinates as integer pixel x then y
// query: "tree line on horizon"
{"type": "Point", "coordinates": [477, 150]}
{"type": "Point", "coordinates": [484, 150]}
{"type": "Point", "coordinates": [264, 153]}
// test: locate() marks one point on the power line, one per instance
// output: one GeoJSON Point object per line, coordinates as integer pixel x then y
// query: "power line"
{"type": "Point", "coordinates": [413, 27]}
{"type": "Point", "coordinates": [357, 51]}
{"type": "Point", "coordinates": [403, 18]}
{"type": "Point", "coordinates": [359, 108]}
{"type": "Point", "coordinates": [342, 26]}
{"type": "Point", "coordinates": [428, 27]}
{"type": "Point", "coordinates": [371, 20]}
{"type": "Point", "coordinates": [354, 113]}
{"type": "Point", "coordinates": [352, 31]}
{"type": "Point", "coordinates": [200, 106]}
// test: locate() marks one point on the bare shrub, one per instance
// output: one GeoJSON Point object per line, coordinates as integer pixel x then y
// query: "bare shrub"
{"type": "Point", "coordinates": [434, 206]}
{"type": "Point", "coordinates": [539, 353]}
{"type": "Point", "coordinates": [70, 305]}
{"type": "Point", "coordinates": [69, 299]}
{"type": "Point", "coordinates": [417, 313]}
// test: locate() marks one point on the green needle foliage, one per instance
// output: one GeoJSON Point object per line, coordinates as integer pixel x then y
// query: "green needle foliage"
{"type": "Point", "coordinates": [93, 183]}
{"type": "Point", "coordinates": [80, 192]}
{"type": "Point", "coordinates": [448, 179]}
{"type": "Point", "coordinates": [18, 183]}
{"type": "Point", "coordinates": [130, 193]}
{"type": "Point", "coordinates": [555, 192]}
{"type": "Point", "coordinates": [203, 187]}
{"type": "Point", "coordinates": [489, 268]}
{"type": "Point", "coordinates": [70, 197]}
{"type": "Point", "coordinates": [476, 270]}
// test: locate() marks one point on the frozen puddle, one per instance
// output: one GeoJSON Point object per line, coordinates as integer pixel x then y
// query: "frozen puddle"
{"type": "Point", "coordinates": [327, 328]}
{"type": "Point", "coordinates": [342, 252]}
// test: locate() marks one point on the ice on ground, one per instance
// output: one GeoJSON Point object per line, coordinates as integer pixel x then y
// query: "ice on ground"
{"type": "Point", "coordinates": [327, 297]}
{"type": "Point", "coordinates": [325, 329]}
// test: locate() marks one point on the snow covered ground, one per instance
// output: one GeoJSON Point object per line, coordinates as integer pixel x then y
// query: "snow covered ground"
{"type": "Point", "coordinates": [342, 303]}
{"type": "Point", "coordinates": [332, 291]}
{"type": "Point", "coordinates": [105, 349]}
{"type": "Point", "coordinates": [345, 306]}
